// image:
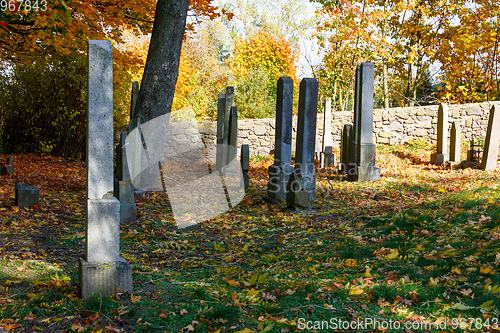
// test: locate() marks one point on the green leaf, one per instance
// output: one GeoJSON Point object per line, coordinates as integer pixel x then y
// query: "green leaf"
{"type": "Point", "coordinates": [487, 306]}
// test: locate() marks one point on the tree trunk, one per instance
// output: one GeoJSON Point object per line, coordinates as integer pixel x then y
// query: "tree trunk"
{"type": "Point", "coordinates": [162, 65]}
{"type": "Point", "coordinates": [384, 60]}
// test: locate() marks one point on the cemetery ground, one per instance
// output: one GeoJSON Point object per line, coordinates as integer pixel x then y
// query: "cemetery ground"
{"type": "Point", "coordinates": [420, 245]}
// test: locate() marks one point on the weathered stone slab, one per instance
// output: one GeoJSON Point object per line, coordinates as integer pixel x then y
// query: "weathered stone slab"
{"type": "Point", "coordinates": [455, 142]}
{"type": "Point", "coordinates": [229, 103]}
{"type": "Point", "coordinates": [344, 148]}
{"type": "Point", "coordinates": [365, 155]}
{"type": "Point", "coordinates": [126, 195]}
{"type": "Point", "coordinates": [301, 188]}
{"type": "Point", "coordinates": [245, 165]}
{"type": "Point", "coordinates": [104, 278]}
{"type": "Point", "coordinates": [492, 141]}
{"type": "Point", "coordinates": [232, 135]}
{"type": "Point", "coordinates": [441, 156]}
{"type": "Point", "coordinates": [26, 195]}
{"type": "Point", "coordinates": [102, 241]}
{"type": "Point", "coordinates": [280, 171]}
{"type": "Point", "coordinates": [133, 100]}
{"type": "Point", "coordinates": [99, 119]}
{"type": "Point", "coordinates": [221, 104]}
{"type": "Point", "coordinates": [102, 270]}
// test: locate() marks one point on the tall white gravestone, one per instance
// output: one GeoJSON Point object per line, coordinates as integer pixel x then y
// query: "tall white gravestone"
{"type": "Point", "coordinates": [102, 270]}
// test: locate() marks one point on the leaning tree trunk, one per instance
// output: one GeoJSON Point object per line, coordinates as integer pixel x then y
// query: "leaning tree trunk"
{"type": "Point", "coordinates": [162, 64]}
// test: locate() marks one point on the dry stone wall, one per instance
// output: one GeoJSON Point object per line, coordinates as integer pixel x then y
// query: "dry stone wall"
{"type": "Point", "coordinates": [391, 126]}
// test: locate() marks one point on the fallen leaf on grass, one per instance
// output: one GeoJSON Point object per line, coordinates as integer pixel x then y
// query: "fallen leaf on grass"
{"type": "Point", "coordinates": [485, 270]}
{"type": "Point", "coordinates": [393, 254]}
{"type": "Point", "coordinates": [351, 263]}
{"type": "Point", "coordinates": [356, 291]}
{"type": "Point", "coordinates": [135, 299]}
{"type": "Point", "coordinates": [486, 306]}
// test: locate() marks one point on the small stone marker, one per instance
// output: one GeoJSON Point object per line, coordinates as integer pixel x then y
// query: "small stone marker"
{"type": "Point", "coordinates": [301, 188]}
{"type": "Point", "coordinates": [344, 148]}
{"type": "Point", "coordinates": [441, 156]}
{"type": "Point", "coordinates": [102, 270]}
{"type": "Point", "coordinates": [366, 150]}
{"type": "Point", "coordinates": [221, 104]}
{"type": "Point", "coordinates": [280, 171]}
{"type": "Point", "coordinates": [26, 195]}
{"type": "Point", "coordinates": [490, 151]}
{"type": "Point", "coordinates": [328, 158]}
{"type": "Point", "coordinates": [124, 189]}
{"type": "Point", "coordinates": [245, 165]}
{"type": "Point", "coordinates": [455, 142]}
{"type": "Point", "coordinates": [9, 167]}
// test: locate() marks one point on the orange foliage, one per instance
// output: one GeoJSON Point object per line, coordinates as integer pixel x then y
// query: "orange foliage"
{"type": "Point", "coordinates": [273, 54]}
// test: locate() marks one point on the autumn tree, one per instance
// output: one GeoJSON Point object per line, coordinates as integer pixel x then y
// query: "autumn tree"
{"type": "Point", "coordinates": [29, 34]}
{"type": "Point", "coordinates": [202, 71]}
{"type": "Point", "coordinates": [257, 64]}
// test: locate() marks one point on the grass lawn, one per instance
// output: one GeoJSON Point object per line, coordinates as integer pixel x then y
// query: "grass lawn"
{"type": "Point", "coordinates": [420, 246]}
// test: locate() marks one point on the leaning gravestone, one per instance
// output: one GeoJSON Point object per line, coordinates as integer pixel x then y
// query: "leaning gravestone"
{"type": "Point", "coordinates": [490, 151]}
{"type": "Point", "coordinates": [455, 143]}
{"type": "Point", "coordinates": [26, 195]}
{"type": "Point", "coordinates": [280, 171]}
{"type": "Point", "coordinates": [365, 148]}
{"type": "Point", "coordinates": [124, 189]}
{"type": "Point", "coordinates": [102, 270]}
{"type": "Point", "coordinates": [441, 156]}
{"type": "Point", "coordinates": [301, 187]}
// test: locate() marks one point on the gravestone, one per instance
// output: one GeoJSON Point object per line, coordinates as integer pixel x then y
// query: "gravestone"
{"type": "Point", "coordinates": [455, 142]}
{"type": "Point", "coordinates": [441, 156]}
{"type": "Point", "coordinates": [221, 104]}
{"type": "Point", "coordinates": [26, 195]}
{"type": "Point", "coordinates": [327, 158]}
{"type": "Point", "coordinates": [232, 140]}
{"type": "Point", "coordinates": [353, 160]}
{"type": "Point", "coordinates": [135, 123]}
{"type": "Point", "coordinates": [344, 148]}
{"type": "Point", "coordinates": [365, 148]}
{"type": "Point", "coordinates": [8, 168]}
{"type": "Point", "coordinates": [133, 100]}
{"type": "Point", "coordinates": [245, 165]}
{"type": "Point", "coordinates": [102, 270]}
{"type": "Point", "coordinates": [301, 187]}
{"type": "Point", "coordinates": [229, 103]}
{"type": "Point", "coordinates": [123, 188]}
{"type": "Point", "coordinates": [490, 151]}
{"type": "Point", "coordinates": [280, 171]}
